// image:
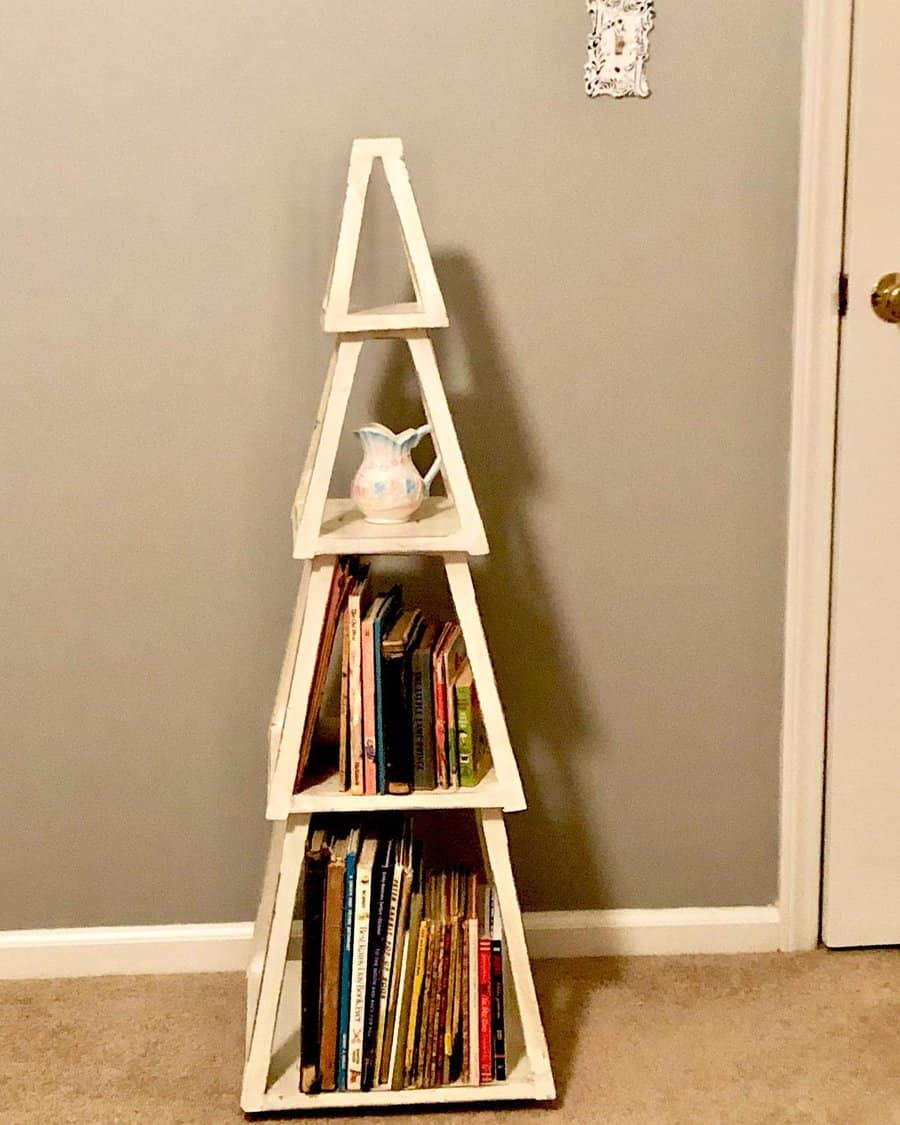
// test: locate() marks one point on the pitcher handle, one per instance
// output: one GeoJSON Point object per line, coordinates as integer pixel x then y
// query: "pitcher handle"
{"type": "Point", "coordinates": [428, 479]}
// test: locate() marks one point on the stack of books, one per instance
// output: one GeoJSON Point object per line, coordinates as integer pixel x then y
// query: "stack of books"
{"type": "Point", "coordinates": [410, 717]}
{"type": "Point", "coordinates": [402, 970]}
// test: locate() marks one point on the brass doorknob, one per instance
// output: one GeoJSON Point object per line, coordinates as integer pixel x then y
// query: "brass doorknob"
{"type": "Point", "coordinates": [886, 298]}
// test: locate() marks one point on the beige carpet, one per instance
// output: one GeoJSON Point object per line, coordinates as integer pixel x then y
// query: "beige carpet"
{"type": "Point", "coordinates": [772, 1038]}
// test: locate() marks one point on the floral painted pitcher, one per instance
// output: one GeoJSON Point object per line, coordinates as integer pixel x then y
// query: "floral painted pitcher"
{"type": "Point", "coordinates": [387, 487]}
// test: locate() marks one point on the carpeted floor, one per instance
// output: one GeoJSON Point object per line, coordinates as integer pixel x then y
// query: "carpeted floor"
{"type": "Point", "coordinates": [769, 1038]}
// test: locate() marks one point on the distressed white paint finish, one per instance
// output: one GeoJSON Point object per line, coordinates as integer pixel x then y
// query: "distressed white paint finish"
{"type": "Point", "coordinates": [861, 875]}
{"type": "Point", "coordinates": [428, 311]}
{"type": "Point", "coordinates": [273, 928]}
{"type": "Point", "coordinates": [618, 48]}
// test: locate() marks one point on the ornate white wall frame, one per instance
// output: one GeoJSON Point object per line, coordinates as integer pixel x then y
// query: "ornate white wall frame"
{"type": "Point", "coordinates": [618, 46]}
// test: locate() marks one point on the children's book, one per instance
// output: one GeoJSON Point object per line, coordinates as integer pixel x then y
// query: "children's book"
{"type": "Point", "coordinates": [332, 934]}
{"type": "Point", "coordinates": [360, 962]}
{"type": "Point", "coordinates": [382, 626]}
{"type": "Point", "coordinates": [357, 607]}
{"type": "Point", "coordinates": [396, 702]}
{"type": "Point", "coordinates": [422, 709]}
{"type": "Point", "coordinates": [353, 841]}
{"type": "Point", "coordinates": [315, 866]}
{"type": "Point", "coordinates": [471, 740]}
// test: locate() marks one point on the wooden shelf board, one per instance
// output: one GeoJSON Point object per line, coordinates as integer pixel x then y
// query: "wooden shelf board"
{"type": "Point", "coordinates": [519, 1086]}
{"type": "Point", "coordinates": [284, 1093]}
{"type": "Point", "coordinates": [326, 796]}
{"type": "Point", "coordinates": [435, 528]}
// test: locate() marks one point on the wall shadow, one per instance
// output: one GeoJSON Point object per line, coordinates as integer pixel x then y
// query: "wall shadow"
{"type": "Point", "coordinates": [553, 728]}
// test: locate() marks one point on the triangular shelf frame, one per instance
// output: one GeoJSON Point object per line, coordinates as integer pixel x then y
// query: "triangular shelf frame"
{"type": "Point", "coordinates": [335, 526]}
{"type": "Point", "coordinates": [271, 1063]}
{"type": "Point", "coordinates": [501, 788]}
{"type": "Point", "coordinates": [428, 310]}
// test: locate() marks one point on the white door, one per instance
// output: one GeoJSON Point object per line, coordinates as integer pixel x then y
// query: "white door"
{"type": "Point", "coordinates": [861, 876]}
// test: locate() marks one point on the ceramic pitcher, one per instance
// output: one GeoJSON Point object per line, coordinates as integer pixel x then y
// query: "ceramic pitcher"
{"type": "Point", "coordinates": [388, 487]}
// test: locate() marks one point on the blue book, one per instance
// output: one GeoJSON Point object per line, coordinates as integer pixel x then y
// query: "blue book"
{"type": "Point", "coordinates": [346, 958]}
{"type": "Point", "coordinates": [382, 625]}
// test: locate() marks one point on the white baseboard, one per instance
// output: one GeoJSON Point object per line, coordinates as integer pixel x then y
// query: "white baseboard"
{"type": "Point", "coordinates": [216, 948]}
{"type": "Point", "coordinates": [114, 950]}
{"type": "Point", "coordinates": [633, 933]}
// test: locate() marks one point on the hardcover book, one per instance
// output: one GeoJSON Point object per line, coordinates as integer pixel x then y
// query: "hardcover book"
{"type": "Point", "coordinates": [382, 626]}
{"type": "Point", "coordinates": [396, 701]}
{"type": "Point", "coordinates": [341, 580]}
{"type": "Point", "coordinates": [471, 740]}
{"type": "Point", "coordinates": [360, 962]}
{"type": "Point", "coordinates": [422, 709]}
{"type": "Point", "coordinates": [332, 934]}
{"type": "Point", "coordinates": [353, 842]}
{"type": "Point", "coordinates": [357, 607]}
{"type": "Point", "coordinates": [453, 654]}
{"type": "Point", "coordinates": [315, 866]}
{"type": "Point", "coordinates": [382, 879]}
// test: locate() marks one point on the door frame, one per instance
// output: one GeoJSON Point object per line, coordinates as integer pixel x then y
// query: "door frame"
{"type": "Point", "coordinates": [827, 26]}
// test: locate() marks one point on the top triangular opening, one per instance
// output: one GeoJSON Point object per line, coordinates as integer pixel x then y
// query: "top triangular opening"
{"type": "Point", "coordinates": [338, 313]}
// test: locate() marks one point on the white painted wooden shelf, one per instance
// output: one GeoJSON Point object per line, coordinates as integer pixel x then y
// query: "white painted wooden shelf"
{"type": "Point", "coordinates": [325, 528]}
{"type": "Point", "coordinates": [326, 796]}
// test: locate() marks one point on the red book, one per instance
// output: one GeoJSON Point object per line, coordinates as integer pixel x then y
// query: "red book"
{"type": "Point", "coordinates": [438, 674]}
{"type": "Point", "coordinates": [485, 1038]}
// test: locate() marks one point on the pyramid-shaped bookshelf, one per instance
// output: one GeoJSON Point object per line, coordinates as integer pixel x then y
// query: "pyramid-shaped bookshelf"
{"type": "Point", "coordinates": [326, 530]}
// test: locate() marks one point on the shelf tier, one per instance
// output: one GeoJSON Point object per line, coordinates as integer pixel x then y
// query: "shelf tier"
{"type": "Point", "coordinates": [521, 1085]}
{"type": "Point", "coordinates": [435, 529]}
{"type": "Point", "coordinates": [283, 1092]}
{"type": "Point", "coordinates": [326, 796]}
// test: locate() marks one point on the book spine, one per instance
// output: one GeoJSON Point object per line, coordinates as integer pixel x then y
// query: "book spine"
{"type": "Point", "coordinates": [387, 970]}
{"type": "Point", "coordinates": [405, 992]}
{"type": "Point", "coordinates": [370, 778]}
{"type": "Point", "coordinates": [474, 1060]}
{"type": "Point", "coordinates": [355, 691]}
{"type": "Point", "coordinates": [383, 623]}
{"type": "Point", "coordinates": [498, 1029]}
{"type": "Point", "coordinates": [380, 905]}
{"type": "Point", "coordinates": [396, 756]}
{"type": "Point", "coordinates": [346, 969]}
{"type": "Point", "coordinates": [464, 735]}
{"type": "Point", "coordinates": [485, 1036]}
{"type": "Point", "coordinates": [331, 969]}
{"type": "Point", "coordinates": [311, 968]}
{"type": "Point", "coordinates": [414, 1025]}
{"type": "Point", "coordinates": [344, 752]}
{"type": "Point", "coordinates": [440, 725]}
{"type": "Point", "coordinates": [358, 981]}
{"type": "Point", "coordinates": [422, 721]}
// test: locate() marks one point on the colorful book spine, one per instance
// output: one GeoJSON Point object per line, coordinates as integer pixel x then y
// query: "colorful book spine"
{"type": "Point", "coordinates": [474, 1056]}
{"type": "Point", "coordinates": [367, 641]}
{"type": "Point", "coordinates": [498, 1029]}
{"type": "Point", "coordinates": [387, 967]}
{"type": "Point", "coordinates": [383, 623]}
{"type": "Point", "coordinates": [485, 1038]}
{"type": "Point", "coordinates": [331, 964]}
{"type": "Point", "coordinates": [347, 958]}
{"type": "Point", "coordinates": [382, 879]}
{"type": "Point", "coordinates": [344, 751]}
{"type": "Point", "coordinates": [315, 866]}
{"type": "Point", "coordinates": [357, 604]}
{"type": "Point", "coordinates": [360, 965]}
{"type": "Point", "coordinates": [422, 710]}
{"type": "Point", "coordinates": [440, 708]}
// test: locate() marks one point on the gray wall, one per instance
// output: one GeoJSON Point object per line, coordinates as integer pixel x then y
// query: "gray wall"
{"type": "Point", "coordinates": [619, 283]}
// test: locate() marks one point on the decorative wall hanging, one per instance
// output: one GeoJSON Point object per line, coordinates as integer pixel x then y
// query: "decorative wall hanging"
{"type": "Point", "coordinates": [618, 45]}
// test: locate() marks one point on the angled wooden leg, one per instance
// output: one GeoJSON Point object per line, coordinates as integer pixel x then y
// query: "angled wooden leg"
{"type": "Point", "coordinates": [495, 848]}
{"type": "Point", "coordinates": [288, 756]}
{"type": "Point", "coordinates": [263, 925]}
{"type": "Point", "coordinates": [459, 578]}
{"type": "Point", "coordinates": [276, 723]}
{"type": "Point", "coordinates": [259, 1054]}
{"type": "Point", "coordinates": [443, 433]}
{"type": "Point", "coordinates": [312, 493]}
